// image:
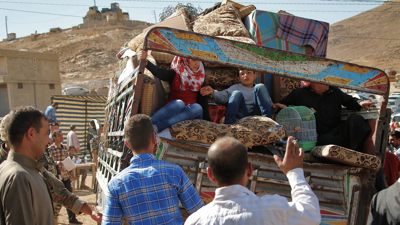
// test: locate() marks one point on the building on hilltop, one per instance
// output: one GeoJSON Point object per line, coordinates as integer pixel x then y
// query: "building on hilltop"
{"type": "Point", "coordinates": [106, 14]}
{"type": "Point", "coordinates": [27, 78]}
{"type": "Point", "coordinates": [108, 17]}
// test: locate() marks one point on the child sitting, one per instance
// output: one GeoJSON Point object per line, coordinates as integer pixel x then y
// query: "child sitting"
{"type": "Point", "coordinates": [185, 77]}
{"type": "Point", "coordinates": [243, 99]}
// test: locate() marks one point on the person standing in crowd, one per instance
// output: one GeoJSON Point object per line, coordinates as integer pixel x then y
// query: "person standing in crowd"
{"type": "Point", "coordinates": [149, 190]}
{"type": "Point", "coordinates": [394, 141]}
{"type": "Point", "coordinates": [60, 152]}
{"type": "Point", "coordinates": [235, 204]}
{"type": "Point", "coordinates": [24, 196]}
{"type": "Point", "coordinates": [53, 127]}
{"type": "Point", "coordinates": [391, 168]}
{"type": "Point", "coordinates": [91, 132]}
{"type": "Point", "coordinates": [82, 171]}
{"type": "Point", "coordinates": [385, 206]}
{"type": "Point", "coordinates": [51, 112]}
{"type": "Point", "coordinates": [59, 194]}
{"type": "Point", "coordinates": [94, 144]}
{"type": "Point", "coordinates": [72, 138]}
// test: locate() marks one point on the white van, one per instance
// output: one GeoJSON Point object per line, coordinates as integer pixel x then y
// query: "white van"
{"type": "Point", "coordinates": [75, 91]}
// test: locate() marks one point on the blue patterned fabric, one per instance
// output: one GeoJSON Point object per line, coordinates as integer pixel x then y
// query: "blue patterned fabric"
{"type": "Point", "coordinates": [148, 192]}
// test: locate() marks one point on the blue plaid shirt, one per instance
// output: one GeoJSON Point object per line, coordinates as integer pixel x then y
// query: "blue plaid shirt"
{"type": "Point", "coordinates": [148, 192]}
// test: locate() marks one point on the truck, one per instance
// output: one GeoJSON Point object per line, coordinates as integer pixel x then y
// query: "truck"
{"type": "Point", "coordinates": [343, 180]}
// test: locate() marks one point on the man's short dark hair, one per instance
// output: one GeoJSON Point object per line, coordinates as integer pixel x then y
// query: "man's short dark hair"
{"type": "Point", "coordinates": [396, 134]}
{"type": "Point", "coordinates": [54, 134]}
{"type": "Point", "coordinates": [69, 148]}
{"type": "Point", "coordinates": [54, 104]}
{"type": "Point", "coordinates": [20, 120]}
{"type": "Point", "coordinates": [72, 127]}
{"type": "Point", "coordinates": [228, 161]}
{"type": "Point", "coordinates": [138, 131]}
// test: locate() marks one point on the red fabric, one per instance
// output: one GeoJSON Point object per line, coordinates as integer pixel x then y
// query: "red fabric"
{"type": "Point", "coordinates": [177, 93]}
{"type": "Point", "coordinates": [189, 80]}
{"type": "Point", "coordinates": [216, 112]}
{"type": "Point", "coordinates": [392, 167]}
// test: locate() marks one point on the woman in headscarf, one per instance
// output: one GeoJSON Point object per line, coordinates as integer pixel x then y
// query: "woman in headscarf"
{"type": "Point", "coordinates": [185, 77]}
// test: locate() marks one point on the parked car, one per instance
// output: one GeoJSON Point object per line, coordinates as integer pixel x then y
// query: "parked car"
{"type": "Point", "coordinates": [396, 98]}
{"type": "Point", "coordinates": [392, 105]}
{"type": "Point", "coordinates": [75, 91]}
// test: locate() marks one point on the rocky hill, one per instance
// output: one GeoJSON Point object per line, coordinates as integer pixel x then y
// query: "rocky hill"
{"type": "Point", "coordinates": [371, 38]}
{"type": "Point", "coordinates": [86, 57]}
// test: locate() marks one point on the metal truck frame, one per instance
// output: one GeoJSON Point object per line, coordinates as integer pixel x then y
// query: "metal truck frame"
{"type": "Point", "coordinates": [344, 192]}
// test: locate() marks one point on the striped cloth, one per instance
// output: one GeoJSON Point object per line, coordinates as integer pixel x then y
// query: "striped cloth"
{"type": "Point", "coordinates": [79, 111]}
{"type": "Point", "coordinates": [300, 31]}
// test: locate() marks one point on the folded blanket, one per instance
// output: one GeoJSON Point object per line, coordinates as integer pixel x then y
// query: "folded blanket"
{"type": "Point", "coordinates": [300, 31]}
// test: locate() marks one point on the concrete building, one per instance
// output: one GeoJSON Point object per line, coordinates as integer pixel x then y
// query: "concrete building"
{"type": "Point", "coordinates": [27, 78]}
{"type": "Point", "coordinates": [108, 17]}
{"type": "Point", "coordinates": [107, 14]}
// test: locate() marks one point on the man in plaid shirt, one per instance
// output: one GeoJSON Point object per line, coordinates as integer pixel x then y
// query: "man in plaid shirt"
{"type": "Point", "coordinates": [149, 190]}
{"type": "Point", "coordinates": [60, 152]}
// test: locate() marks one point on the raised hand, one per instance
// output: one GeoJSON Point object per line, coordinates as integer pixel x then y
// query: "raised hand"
{"type": "Point", "coordinates": [293, 156]}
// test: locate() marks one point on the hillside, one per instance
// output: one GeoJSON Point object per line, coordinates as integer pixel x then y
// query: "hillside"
{"type": "Point", "coordinates": [86, 57]}
{"type": "Point", "coordinates": [371, 38]}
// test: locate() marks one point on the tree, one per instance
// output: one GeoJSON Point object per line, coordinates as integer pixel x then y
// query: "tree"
{"type": "Point", "coordinates": [169, 10]}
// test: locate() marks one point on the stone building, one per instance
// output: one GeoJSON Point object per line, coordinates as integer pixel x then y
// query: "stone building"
{"type": "Point", "coordinates": [27, 78]}
{"type": "Point", "coordinates": [109, 17]}
{"type": "Point", "coordinates": [106, 14]}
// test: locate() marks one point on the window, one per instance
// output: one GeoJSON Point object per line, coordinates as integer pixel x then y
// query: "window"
{"type": "Point", "coordinates": [51, 86]}
{"type": "Point", "coordinates": [20, 86]}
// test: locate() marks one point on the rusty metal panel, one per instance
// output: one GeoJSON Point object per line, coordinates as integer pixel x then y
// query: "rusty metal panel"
{"type": "Point", "coordinates": [267, 60]}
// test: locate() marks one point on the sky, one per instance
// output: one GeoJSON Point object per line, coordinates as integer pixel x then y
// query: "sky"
{"type": "Point", "coordinates": [24, 17]}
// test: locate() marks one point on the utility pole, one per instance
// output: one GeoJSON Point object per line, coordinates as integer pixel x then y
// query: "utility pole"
{"type": "Point", "coordinates": [155, 16]}
{"type": "Point", "coordinates": [95, 13]}
{"type": "Point", "coordinates": [6, 29]}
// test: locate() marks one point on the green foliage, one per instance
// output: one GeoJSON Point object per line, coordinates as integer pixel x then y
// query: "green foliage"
{"type": "Point", "coordinates": [169, 10]}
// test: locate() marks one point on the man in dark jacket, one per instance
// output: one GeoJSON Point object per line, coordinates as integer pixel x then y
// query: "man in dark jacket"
{"type": "Point", "coordinates": [326, 102]}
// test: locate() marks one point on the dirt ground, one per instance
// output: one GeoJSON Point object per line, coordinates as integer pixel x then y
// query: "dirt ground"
{"type": "Point", "coordinates": [89, 197]}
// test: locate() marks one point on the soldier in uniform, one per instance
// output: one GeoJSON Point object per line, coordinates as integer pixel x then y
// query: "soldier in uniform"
{"type": "Point", "coordinates": [94, 144]}
{"type": "Point", "coordinates": [91, 133]}
{"type": "Point", "coordinates": [59, 194]}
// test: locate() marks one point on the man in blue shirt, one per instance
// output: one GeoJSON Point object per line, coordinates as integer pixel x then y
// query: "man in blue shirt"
{"type": "Point", "coordinates": [51, 112]}
{"type": "Point", "coordinates": [149, 190]}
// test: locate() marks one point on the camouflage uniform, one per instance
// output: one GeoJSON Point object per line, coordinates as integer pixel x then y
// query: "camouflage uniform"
{"type": "Point", "coordinates": [94, 143]}
{"type": "Point", "coordinates": [59, 194]}
{"type": "Point", "coordinates": [48, 161]}
{"type": "Point", "coordinates": [91, 133]}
